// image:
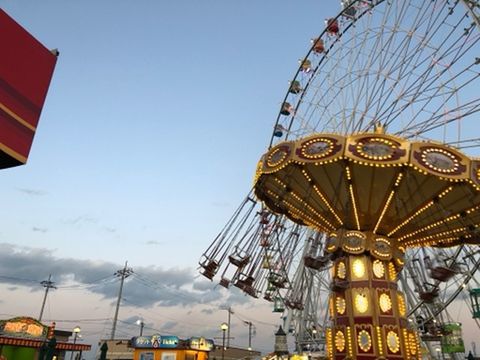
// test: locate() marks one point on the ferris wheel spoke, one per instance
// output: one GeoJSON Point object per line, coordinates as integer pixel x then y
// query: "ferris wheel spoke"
{"type": "Point", "coordinates": [425, 101]}
{"type": "Point", "coordinates": [417, 91]}
{"type": "Point", "coordinates": [447, 95]}
{"type": "Point", "coordinates": [357, 60]}
{"type": "Point", "coordinates": [386, 56]}
{"type": "Point", "coordinates": [433, 123]}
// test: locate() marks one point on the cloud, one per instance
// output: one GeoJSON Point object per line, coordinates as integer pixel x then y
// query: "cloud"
{"type": "Point", "coordinates": [202, 285]}
{"type": "Point", "coordinates": [132, 319]}
{"type": "Point", "coordinates": [32, 192]}
{"type": "Point", "coordinates": [88, 221]}
{"type": "Point", "coordinates": [169, 325]}
{"type": "Point", "coordinates": [153, 242]}
{"type": "Point", "coordinates": [81, 220]}
{"type": "Point", "coordinates": [38, 229]}
{"type": "Point", "coordinates": [237, 297]}
{"type": "Point", "coordinates": [171, 301]}
{"type": "Point", "coordinates": [209, 311]}
{"type": "Point", "coordinates": [144, 287]}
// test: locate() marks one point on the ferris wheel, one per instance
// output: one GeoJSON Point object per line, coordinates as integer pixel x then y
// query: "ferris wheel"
{"type": "Point", "coordinates": [409, 68]}
{"type": "Point", "coordinates": [413, 67]}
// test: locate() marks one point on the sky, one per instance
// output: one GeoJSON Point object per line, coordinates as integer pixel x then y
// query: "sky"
{"type": "Point", "coordinates": [156, 116]}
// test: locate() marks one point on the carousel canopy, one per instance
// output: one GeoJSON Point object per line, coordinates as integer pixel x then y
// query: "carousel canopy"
{"type": "Point", "coordinates": [419, 193]}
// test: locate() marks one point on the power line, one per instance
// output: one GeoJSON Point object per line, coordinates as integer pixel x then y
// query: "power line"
{"type": "Point", "coordinates": [66, 287]}
{"type": "Point", "coordinates": [145, 326]}
{"type": "Point", "coordinates": [243, 318]}
{"type": "Point", "coordinates": [78, 320]}
{"type": "Point", "coordinates": [18, 279]}
{"type": "Point", "coordinates": [162, 316]}
{"type": "Point", "coordinates": [86, 285]}
{"type": "Point", "coordinates": [154, 284]}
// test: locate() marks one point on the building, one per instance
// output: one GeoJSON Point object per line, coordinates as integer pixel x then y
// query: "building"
{"type": "Point", "coordinates": [129, 349]}
{"type": "Point", "coordinates": [233, 353]}
{"type": "Point", "coordinates": [161, 347]}
{"type": "Point", "coordinates": [117, 349]}
{"type": "Point", "coordinates": [24, 338]}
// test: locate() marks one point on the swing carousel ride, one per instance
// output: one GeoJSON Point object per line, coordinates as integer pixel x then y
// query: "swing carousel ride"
{"type": "Point", "coordinates": [363, 223]}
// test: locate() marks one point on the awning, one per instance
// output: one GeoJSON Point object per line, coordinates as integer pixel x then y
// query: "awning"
{"type": "Point", "coordinates": [37, 343]}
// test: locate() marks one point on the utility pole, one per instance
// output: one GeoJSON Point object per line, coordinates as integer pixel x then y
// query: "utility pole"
{"type": "Point", "coordinates": [230, 311]}
{"type": "Point", "coordinates": [250, 325]}
{"type": "Point", "coordinates": [47, 284]}
{"type": "Point", "coordinates": [122, 274]}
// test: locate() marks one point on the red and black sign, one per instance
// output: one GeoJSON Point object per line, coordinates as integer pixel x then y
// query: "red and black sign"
{"type": "Point", "coordinates": [26, 68]}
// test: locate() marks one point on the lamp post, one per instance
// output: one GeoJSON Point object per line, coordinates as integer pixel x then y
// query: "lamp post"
{"type": "Point", "coordinates": [250, 326]}
{"type": "Point", "coordinates": [141, 324]}
{"type": "Point", "coordinates": [224, 328]}
{"type": "Point", "coordinates": [76, 333]}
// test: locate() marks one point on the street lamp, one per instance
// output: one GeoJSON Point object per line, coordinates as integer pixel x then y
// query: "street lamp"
{"type": "Point", "coordinates": [250, 326]}
{"type": "Point", "coordinates": [140, 322]}
{"type": "Point", "coordinates": [224, 328]}
{"type": "Point", "coordinates": [76, 333]}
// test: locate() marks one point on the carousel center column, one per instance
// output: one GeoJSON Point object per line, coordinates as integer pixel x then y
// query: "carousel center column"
{"type": "Point", "coordinates": [367, 311]}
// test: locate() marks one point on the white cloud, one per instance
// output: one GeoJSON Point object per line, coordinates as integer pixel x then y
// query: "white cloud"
{"type": "Point", "coordinates": [32, 192]}
{"type": "Point", "coordinates": [171, 301]}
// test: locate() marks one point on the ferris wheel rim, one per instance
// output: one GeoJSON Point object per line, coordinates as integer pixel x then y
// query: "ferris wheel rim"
{"type": "Point", "coordinates": [352, 21]}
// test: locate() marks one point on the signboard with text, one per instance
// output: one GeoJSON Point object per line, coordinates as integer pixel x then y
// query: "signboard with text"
{"type": "Point", "coordinates": [158, 341]}
{"type": "Point", "coordinates": [23, 327]}
{"type": "Point", "coordinates": [155, 341]}
{"type": "Point", "coordinates": [200, 343]}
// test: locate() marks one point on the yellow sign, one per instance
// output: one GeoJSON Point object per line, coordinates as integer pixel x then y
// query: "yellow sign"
{"type": "Point", "coordinates": [19, 327]}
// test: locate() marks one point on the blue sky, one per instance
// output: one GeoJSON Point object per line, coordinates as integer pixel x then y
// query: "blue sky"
{"type": "Point", "coordinates": [156, 116]}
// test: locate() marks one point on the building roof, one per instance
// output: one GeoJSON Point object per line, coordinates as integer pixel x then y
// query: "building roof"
{"type": "Point", "coordinates": [37, 343]}
{"type": "Point", "coordinates": [233, 353]}
{"type": "Point", "coordinates": [117, 348]}
{"type": "Point", "coordinates": [280, 331]}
